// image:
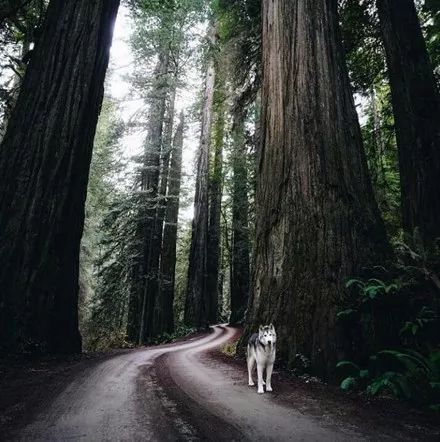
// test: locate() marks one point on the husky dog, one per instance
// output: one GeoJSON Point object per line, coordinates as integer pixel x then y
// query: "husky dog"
{"type": "Point", "coordinates": [261, 349]}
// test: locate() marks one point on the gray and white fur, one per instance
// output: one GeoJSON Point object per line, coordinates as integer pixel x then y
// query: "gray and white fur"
{"type": "Point", "coordinates": [261, 349]}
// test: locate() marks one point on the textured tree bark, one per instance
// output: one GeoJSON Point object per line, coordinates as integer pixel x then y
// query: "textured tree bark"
{"type": "Point", "coordinates": [197, 303]}
{"type": "Point", "coordinates": [317, 223]}
{"type": "Point", "coordinates": [416, 105]}
{"type": "Point", "coordinates": [215, 201]}
{"type": "Point", "coordinates": [44, 165]}
{"type": "Point", "coordinates": [168, 259]}
{"type": "Point", "coordinates": [240, 278]}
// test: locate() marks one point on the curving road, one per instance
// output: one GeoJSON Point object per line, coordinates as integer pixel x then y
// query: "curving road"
{"type": "Point", "coordinates": [174, 392]}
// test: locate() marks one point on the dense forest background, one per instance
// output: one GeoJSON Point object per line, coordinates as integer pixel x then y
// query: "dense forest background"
{"type": "Point", "coordinates": [288, 172]}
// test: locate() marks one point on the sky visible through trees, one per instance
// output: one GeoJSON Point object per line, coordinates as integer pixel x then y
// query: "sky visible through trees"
{"type": "Point", "coordinates": [119, 87]}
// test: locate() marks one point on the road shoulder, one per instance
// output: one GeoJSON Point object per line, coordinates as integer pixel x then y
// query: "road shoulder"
{"type": "Point", "coordinates": [376, 418]}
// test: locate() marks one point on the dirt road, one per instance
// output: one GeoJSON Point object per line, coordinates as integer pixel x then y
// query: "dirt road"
{"type": "Point", "coordinates": [177, 392]}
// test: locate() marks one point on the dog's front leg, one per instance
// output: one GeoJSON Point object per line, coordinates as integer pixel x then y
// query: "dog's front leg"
{"type": "Point", "coordinates": [260, 377]}
{"type": "Point", "coordinates": [250, 364]}
{"type": "Point", "coordinates": [269, 370]}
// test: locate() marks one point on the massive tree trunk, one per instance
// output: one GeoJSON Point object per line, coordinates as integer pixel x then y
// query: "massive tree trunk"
{"type": "Point", "coordinates": [44, 165]}
{"type": "Point", "coordinates": [197, 303]}
{"type": "Point", "coordinates": [240, 226]}
{"type": "Point", "coordinates": [317, 223]}
{"type": "Point", "coordinates": [416, 105]}
{"type": "Point", "coordinates": [215, 201]}
{"type": "Point", "coordinates": [165, 319]}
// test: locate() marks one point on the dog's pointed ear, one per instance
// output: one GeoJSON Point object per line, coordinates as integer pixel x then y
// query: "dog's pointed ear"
{"type": "Point", "coordinates": [260, 328]}
{"type": "Point", "coordinates": [271, 326]}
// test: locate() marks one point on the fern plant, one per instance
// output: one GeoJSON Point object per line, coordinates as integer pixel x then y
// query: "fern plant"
{"type": "Point", "coordinates": [394, 319]}
{"type": "Point", "coordinates": [405, 373]}
{"type": "Point", "coordinates": [374, 288]}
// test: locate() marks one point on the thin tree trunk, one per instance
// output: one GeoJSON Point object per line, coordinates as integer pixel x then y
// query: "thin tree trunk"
{"type": "Point", "coordinates": [156, 324]}
{"type": "Point", "coordinates": [150, 186]}
{"type": "Point", "coordinates": [44, 165]}
{"type": "Point", "coordinates": [141, 305]}
{"type": "Point", "coordinates": [197, 304]}
{"type": "Point", "coordinates": [168, 260]}
{"type": "Point", "coordinates": [416, 105]}
{"type": "Point", "coordinates": [377, 143]}
{"type": "Point", "coordinates": [215, 201]}
{"type": "Point", "coordinates": [226, 264]}
{"type": "Point", "coordinates": [240, 226]}
{"type": "Point", "coordinates": [317, 223]}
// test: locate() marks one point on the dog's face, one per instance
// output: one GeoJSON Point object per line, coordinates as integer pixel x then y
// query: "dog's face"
{"type": "Point", "coordinates": [267, 334]}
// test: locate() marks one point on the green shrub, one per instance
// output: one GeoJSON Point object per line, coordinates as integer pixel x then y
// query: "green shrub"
{"type": "Point", "coordinates": [179, 332]}
{"type": "Point", "coordinates": [392, 321]}
{"type": "Point", "coordinates": [406, 374]}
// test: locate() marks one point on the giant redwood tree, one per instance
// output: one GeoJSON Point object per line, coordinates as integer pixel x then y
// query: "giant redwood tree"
{"type": "Point", "coordinates": [416, 107]}
{"type": "Point", "coordinates": [215, 200]}
{"type": "Point", "coordinates": [317, 223]}
{"type": "Point", "coordinates": [198, 302]}
{"type": "Point", "coordinates": [44, 164]}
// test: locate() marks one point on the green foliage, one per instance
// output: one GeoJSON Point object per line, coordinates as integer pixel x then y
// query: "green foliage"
{"type": "Point", "coordinates": [229, 349]}
{"type": "Point", "coordinates": [240, 30]}
{"type": "Point", "coordinates": [367, 68]}
{"type": "Point", "coordinates": [430, 17]}
{"type": "Point", "coordinates": [382, 155]}
{"type": "Point", "coordinates": [163, 24]}
{"type": "Point", "coordinates": [108, 306]}
{"type": "Point", "coordinates": [180, 332]}
{"type": "Point", "coordinates": [425, 317]}
{"type": "Point", "coordinates": [362, 42]}
{"type": "Point", "coordinates": [406, 374]}
{"type": "Point", "coordinates": [406, 298]}
{"type": "Point", "coordinates": [346, 314]}
{"type": "Point", "coordinates": [17, 33]}
{"type": "Point", "coordinates": [118, 214]}
{"type": "Point", "coordinates": [396, 319]}
{"type": "Point", "coordinates": [183, 246]}
{"type": "Point", "coordinates": [348, 383]}
{"type": "Point", "coordinates": [102, 285]}
{"type": "Point", "coordinates": [373, 288]}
